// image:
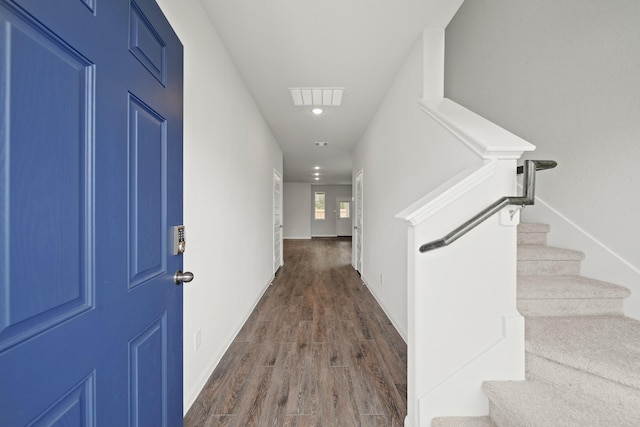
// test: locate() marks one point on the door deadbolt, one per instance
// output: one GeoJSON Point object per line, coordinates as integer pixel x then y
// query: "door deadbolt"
{"type": "Point", "coordinates": [179, 240]}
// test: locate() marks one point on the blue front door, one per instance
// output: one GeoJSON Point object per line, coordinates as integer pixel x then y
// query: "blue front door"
{"type": "Point", "coordinates": [90, 186]}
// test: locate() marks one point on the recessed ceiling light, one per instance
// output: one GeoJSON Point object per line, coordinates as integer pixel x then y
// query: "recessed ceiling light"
{"type": "Point", "coordinates": [317, 111]}
{"type": "Point", "coordinates": [316, 174]}
{"type": "Point", "coordinates": [317, 167]}
{"type": "Point", "coordinates": [317, 179]}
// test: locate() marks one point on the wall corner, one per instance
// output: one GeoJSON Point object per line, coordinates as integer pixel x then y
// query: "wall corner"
{"type": "Point", "coordinates": [433, 63]}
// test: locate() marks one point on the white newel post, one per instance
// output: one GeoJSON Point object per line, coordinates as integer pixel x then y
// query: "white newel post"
{"type": "Point", "coordinates": [463, 325]}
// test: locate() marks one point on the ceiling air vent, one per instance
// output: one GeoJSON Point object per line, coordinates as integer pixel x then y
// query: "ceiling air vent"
{"type": "Point", "coordinates": [330, 96]}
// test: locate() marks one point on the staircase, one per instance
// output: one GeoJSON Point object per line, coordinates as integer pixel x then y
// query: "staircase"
{"type": "Point", "coordinates": [582, 354]}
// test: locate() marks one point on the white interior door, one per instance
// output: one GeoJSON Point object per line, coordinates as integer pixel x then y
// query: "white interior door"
{"type": "Point", "coordinates": [277, 222]}
{"type": "Point", "coordinates": [343, 216]}
{"type": "Point", "coordinates": [357, 228]}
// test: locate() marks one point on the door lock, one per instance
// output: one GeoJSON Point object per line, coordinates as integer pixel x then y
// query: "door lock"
{"type": "Point", "coordinates": [179, 240]}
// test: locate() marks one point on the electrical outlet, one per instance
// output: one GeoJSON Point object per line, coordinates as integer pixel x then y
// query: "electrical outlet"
{"type": "Point", "coordinates": [197, 339]}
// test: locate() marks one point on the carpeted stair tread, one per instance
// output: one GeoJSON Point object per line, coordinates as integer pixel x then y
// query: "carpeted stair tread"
{"type": "Point", "coordinates": [556, 287]}
{"type": "Point", "coordinates": [532, 234]}
{"type": "Point", "coordinates": [532, 227]}
{"type": "Point", "coordinates": [537, 404]}
{"type": "Point", "coordinates": [462, 422]}
{"type": "Point", "coordinates": [606, 346]}
{"type": "Point", "coordinates": [547, 253]}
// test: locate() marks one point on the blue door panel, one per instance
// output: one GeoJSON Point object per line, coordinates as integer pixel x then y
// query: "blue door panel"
{"type": "Point", "coordinates": [147, 175]}
{"type": "Point", "coordinates": [90, 184]}
{"type": "Point", "coordinates": [53, 207]}
{"type": "Point", "coordinates": [39, 372]}
{"type": "Point", "coordinates": [148, 367]}
{"type": "Point", "coordinates": [146, 44]}
{"type": "Point", "coordinates": [76, 408]}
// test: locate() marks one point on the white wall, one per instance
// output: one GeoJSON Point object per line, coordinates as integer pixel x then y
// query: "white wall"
{"type": "Point", "coordinates": [564, 76]}
{"type": "Point", "coordinates": [297, 211]}
{"type": "Point", "coordinates": [404, 155]}
{"type": "Point", "coordinates": [222, 126]}
{"type": "Point", "coordinates": [328, 226]}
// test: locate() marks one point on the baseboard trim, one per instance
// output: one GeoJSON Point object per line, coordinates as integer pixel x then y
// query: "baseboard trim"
{"type": "Point", "coordinates": [402, 332]}
{"type": "Point", "coordinates": [191, 395]}
{"type": "Point", "coordinates": [585, 233]}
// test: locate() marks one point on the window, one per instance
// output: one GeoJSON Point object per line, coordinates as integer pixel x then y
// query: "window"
{"type": "Point", "coordinates": [319, 206]}
{"type": "Point", "coordinates": [343, 211]}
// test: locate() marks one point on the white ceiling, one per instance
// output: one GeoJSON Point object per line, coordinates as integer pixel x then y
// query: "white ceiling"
{"type": "Point", "coordinates": [355, 44]}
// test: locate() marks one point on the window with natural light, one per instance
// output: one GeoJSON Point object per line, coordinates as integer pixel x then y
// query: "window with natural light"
{"type": "Point", "coordinates": [319, 206]}
{"type": "Point", "coordinates": [343, 211]}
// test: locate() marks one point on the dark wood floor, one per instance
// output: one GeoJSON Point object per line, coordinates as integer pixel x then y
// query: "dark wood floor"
{"type": "Point", "coordinates": [317, 351]}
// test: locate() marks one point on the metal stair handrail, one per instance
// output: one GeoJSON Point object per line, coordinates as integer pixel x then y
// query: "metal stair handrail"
{"type": "Point", "coordinates": [528, 198]}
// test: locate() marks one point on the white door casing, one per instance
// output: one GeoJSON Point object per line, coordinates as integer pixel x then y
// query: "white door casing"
{"type": "Point", "coordinates": [358, 222]}
{"type": "Point", "coordinates": [277, 221]}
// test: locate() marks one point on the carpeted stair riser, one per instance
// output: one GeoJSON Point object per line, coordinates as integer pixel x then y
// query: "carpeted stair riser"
{"type": "Point", "coordinates": [532, 238]}
{"type": "Point", "coordinates": [570, 307]}
{"type": "Point", "coordinates": [609, 392]}
{"type": "Point", "coordinates": [545, 260]}
{"type": "Point", "coordinates": [532, 227]}
{"type": "Point", "coordinates": [462, 422]}
{"type": "Point", "coordinates": [548, 267]}
{"type": "Point", "coordinates": [569, 296]}
{"type": "Point", "coordinates": [570, 287]}
{"type": "Point", "coordinates": [532, 234]}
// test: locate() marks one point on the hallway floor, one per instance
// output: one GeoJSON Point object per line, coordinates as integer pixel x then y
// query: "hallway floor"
{"type": "Point", "coordinates": [317, 351]}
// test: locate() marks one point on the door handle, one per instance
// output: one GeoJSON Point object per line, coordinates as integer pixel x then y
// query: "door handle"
{"type": "Point", "coordinates": [181, 277]}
